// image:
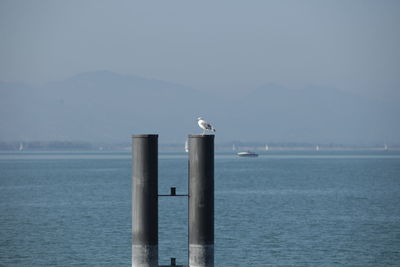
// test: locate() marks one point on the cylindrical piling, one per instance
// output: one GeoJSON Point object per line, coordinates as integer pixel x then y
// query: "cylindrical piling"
{"type": "Point", "coordinates": [201, 200]}
{"type": "Point", "coordinates": [145, 201]}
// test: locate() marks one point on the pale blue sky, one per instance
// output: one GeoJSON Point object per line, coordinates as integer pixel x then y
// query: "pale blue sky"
{"type": "Point", "coordinates": [208, 45]}
{"type": "Point", "coordinates": [313, 71]}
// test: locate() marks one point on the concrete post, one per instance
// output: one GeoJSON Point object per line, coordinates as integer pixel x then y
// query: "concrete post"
{"type": "Point", "coordinates": [145, 201]}
{"type": "Point", "coordinates": [201, 200]}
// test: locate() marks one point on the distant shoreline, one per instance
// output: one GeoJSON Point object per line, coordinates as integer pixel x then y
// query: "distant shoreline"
{"type": "Point", "coordinates": [178, 147]}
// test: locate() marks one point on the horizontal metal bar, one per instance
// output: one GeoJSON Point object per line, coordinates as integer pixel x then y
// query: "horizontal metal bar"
{"type": "Point", "coordinates": [173, 195]}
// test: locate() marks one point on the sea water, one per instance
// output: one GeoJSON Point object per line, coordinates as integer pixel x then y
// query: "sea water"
{"type": "Point", "coordinates": [280, 209]}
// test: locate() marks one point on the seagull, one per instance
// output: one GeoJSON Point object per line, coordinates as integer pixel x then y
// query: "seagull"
{"type": "Point", "coordinates": [204, 125]}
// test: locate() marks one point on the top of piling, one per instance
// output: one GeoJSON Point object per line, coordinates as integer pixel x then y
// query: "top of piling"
{"type": "Point", "coordinates": [144, 135]}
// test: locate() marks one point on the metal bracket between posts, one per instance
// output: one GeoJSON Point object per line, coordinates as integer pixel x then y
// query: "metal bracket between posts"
{"type": "Point", "coordinates": [173, 263]}
{"type": "Point", "coordinates": [173, 194]}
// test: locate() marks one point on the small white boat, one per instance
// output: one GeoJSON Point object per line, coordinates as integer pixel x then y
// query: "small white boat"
{"type": "Point", "coordinates": [317, 148]}
{"type": "Point", "coordinates": [247, 154]}
{"type": "Point", "coordinates": [21, 147]}
{"type": "Point", "coordinates": [186, 146]}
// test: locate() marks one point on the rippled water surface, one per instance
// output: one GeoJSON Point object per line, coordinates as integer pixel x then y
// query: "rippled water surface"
{"type": "Point", "coordinates": [280, 209]}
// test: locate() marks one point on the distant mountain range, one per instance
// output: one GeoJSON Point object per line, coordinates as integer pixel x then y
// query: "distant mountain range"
{"type": "Point", "coordinates": [103, 106]}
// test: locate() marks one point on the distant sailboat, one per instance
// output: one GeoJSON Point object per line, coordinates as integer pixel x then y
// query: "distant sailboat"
{"type": "Point", "coordinates": [385, 147]}
{"type": "Point", "coordinates": [21, 147]}
{"type": "Point", "coordinates": [317, 148]}
{"type": "Point", "coordinates": [266, 148]}
{"type": "Point", "coordinates": [233, 147]}
{"type": "Point", "coordinates": [186, 146]}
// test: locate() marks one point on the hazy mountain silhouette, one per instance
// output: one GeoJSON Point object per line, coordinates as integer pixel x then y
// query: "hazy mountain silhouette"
{"type": "Point", "coordinates": [97, 106]}
{"type": "Point", "coordinates": [105, 106]}
{"type": "Point", "coordinates": [317, 114]}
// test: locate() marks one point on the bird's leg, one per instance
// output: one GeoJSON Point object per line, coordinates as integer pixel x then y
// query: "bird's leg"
{"type": "Point", "coordinates": [204, 131]}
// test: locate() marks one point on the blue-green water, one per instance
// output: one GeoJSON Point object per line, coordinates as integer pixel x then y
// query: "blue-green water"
{"type": "Point", "coordinates": [280, 209]}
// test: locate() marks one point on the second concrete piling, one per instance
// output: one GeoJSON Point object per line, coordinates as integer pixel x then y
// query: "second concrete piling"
{"type": "Point", "coordinates": [201, 200]}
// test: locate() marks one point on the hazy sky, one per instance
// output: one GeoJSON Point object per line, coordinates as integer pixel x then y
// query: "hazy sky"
{"type": "Point", "coordinates": [208, 45]}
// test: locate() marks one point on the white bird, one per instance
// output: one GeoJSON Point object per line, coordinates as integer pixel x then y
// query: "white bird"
{"type": "Point", "coordinates": [204, 125]}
